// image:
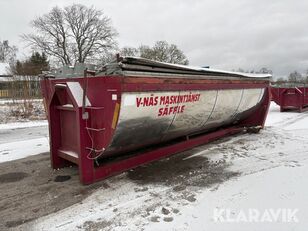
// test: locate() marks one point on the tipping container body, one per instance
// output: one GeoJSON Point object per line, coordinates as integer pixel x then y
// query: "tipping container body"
{"type": "Point", "coordinates": [124, 116]}
{"type": "Point", "coordinates": [290, 98]}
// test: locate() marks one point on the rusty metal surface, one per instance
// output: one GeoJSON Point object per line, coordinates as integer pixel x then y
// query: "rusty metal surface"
{"type": "Point", "coordinates": [148, 117]}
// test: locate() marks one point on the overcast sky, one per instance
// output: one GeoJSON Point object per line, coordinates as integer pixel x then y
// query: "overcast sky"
{"type": "Point", "coordinates": [224, 34]}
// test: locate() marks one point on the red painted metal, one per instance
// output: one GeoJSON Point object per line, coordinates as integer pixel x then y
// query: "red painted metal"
{"type": "Point", "coordinates": [113, 168]}
{"type": "Point", "coordinates": [69, 131]}
{"type": "Point", "coordinates": [295, 98]}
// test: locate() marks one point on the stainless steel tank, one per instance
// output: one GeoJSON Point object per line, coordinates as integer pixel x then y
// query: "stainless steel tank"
{"type": "Point", "coordinates": [146, 117]}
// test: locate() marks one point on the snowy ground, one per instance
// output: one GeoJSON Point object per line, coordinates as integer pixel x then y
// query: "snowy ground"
{"type": "Point", "coordinates": [14, 111]}
{"type": "Point", "coordinates": [22, 139]}
{"type": "Point", "coordinates": [248, 172]}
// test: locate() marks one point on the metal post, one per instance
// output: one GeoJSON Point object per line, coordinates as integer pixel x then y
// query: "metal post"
{"type": "Point", "coordinates": [85, 86]}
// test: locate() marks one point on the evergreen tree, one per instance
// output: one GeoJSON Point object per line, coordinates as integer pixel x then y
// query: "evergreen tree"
{"type": "Point", "coordinates": [34, 65]}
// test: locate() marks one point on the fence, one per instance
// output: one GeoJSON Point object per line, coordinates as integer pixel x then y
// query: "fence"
{"type": "Point", "coordinates": [4, 93]}
{"type": "Point", "coordinates": [20, 87]}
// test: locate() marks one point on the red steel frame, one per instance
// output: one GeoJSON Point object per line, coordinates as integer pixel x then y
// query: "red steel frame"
{"type": "Point", "coordinates": [288, 98]}
{"type": "Point", "coordinates": [68, 128]}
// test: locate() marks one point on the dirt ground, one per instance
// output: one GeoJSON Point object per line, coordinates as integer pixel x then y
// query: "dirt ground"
{"type": "Point", "coordinates": [31, 189]}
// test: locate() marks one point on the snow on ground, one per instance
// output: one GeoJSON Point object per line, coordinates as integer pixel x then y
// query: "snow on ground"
{"type": "Point", "coordinates": [256, 172]}
{"type": "Point", "coordinates": [12, 111]}
{"type": "Point", "coordinates": [22, 139]}
{"type": "Point", "coordinates": [28, 124]}
{"type": "Point", "coordinates": [11, 101]}
{"type": "Point", "coordinates": [273, 169]}
{"type": "Point", "coordinates": [20, 149]}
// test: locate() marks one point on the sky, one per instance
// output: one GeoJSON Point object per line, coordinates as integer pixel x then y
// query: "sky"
{"type": "Point", "coordinates": [222, 34]}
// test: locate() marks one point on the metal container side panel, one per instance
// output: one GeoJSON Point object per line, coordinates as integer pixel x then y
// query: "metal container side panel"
{"type": "Point", "coordinates": [251, 97]}
{"type": "Point", "coordinates": [194, 116]}
{"type": "Point", "coordinates": [140, 122]}
{"type": "Point", "coordinates": [249, 103]}
{"type": "Point", "coordinates": [148, 118]}
{"type": "Point", "coordinates": [225, 109]}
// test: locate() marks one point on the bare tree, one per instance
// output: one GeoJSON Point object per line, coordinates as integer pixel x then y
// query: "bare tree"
{"type": "Point", "coordinates": [295, 77]}
{"type": "Point", "coordinates": [74, 34]}
{"type": "Point", "coordinates": [306, 77]}
{"type": "Point", "coordinates": [280, 80]}
{"type": "Point", "coordinates": [164, 52]}
{"type": "Point", "coordinates": [7, 52]}
{"type": "Point", "coordinates": [265, 70]}
{"type": "Point", "coordinates": [161, 51]}
{"type": "Point", "coordinates": [129, 51]}
{"type": "Point", "coordinates": [107, 57]}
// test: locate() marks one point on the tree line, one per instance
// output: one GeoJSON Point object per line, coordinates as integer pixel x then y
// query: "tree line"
{"type": "Point", "coordinates": [66, 36]}
{"type": "Point", "coordinates": [81, 34]}
{"type": "Point", "coordinates": [294, 77]}
{"type": "Point", "coordinates": [78, 34]}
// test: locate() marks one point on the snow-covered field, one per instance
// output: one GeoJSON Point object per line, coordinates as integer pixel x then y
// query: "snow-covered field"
{"type": "Point", "coordinates": [246, 182]}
